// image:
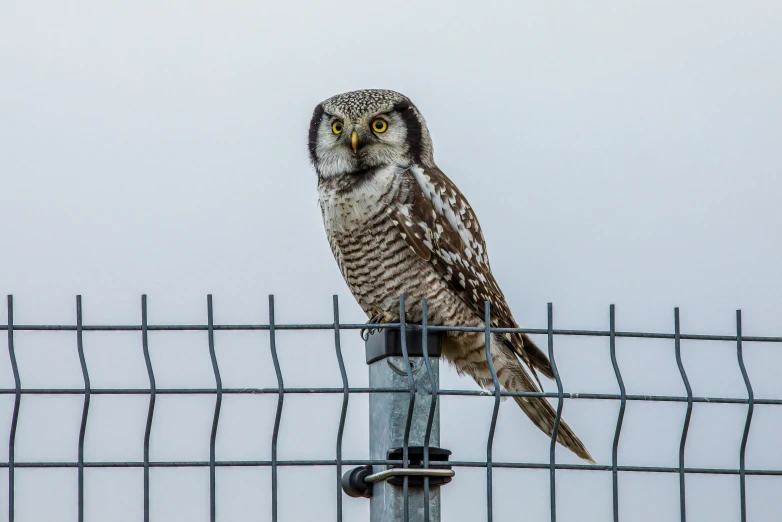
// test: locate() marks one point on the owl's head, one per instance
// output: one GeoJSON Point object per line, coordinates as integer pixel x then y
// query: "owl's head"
{"type": "Point", "coordinates": [356, 132]}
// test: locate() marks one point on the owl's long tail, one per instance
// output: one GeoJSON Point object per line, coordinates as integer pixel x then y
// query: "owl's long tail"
{"type": "Point", "coordinates": [538, 409]}
{"type": "Point", "coordinates": [514, 378]}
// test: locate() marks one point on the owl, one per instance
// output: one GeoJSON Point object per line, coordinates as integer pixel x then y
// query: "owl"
{"type": "Point", "coordinates": [397, 225]}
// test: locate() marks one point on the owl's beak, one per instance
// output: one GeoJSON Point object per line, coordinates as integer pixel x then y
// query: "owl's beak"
{"type": "Point", "coordinates": [354, 141]}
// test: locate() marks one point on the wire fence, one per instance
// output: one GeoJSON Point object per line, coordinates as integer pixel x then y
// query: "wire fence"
{"type": "Point", "coordinates": [18, 391]}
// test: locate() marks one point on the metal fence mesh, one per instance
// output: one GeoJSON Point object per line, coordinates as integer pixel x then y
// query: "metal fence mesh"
{"type": "Point", "coordinates": [18, 391]}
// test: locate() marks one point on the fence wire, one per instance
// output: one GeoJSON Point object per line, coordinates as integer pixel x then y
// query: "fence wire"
{"type": "Point", "coordinates": [218, 391]}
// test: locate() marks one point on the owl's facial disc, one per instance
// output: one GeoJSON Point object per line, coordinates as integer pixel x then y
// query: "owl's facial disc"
{"type": "Point", "coordinates": [355, 133]}
{"type": "Point", "coordinates": [355, 145]}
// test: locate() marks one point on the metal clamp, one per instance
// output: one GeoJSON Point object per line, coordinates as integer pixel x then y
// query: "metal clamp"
{"type": "Point", "coordinates": [357, 482]}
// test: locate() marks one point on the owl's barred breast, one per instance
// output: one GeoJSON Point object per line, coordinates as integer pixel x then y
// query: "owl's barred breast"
{"type": "Point", "coordinates": [376, 261]}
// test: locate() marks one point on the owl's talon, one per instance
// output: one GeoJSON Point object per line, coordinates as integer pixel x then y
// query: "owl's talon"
{"type": "Point", "coordinates": [366, 332]}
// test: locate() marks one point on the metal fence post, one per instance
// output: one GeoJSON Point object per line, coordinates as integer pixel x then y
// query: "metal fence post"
{"type": "Point", "coordinates": [387, 417]}
{"type": "Point", "coordinates": [391, 424]}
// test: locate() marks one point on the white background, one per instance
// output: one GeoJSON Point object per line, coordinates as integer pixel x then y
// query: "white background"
{"type": "Point", "coordinates": [614, 153]}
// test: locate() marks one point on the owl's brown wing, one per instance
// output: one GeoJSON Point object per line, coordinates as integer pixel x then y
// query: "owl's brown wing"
{"type": "Point", "coordinates": [439, 225]}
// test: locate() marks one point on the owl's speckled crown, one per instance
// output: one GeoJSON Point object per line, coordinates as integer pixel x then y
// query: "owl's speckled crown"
{"type": "Point", "coordinates": [355, 103]}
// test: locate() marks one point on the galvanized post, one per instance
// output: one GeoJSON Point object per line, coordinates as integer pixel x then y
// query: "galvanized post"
{"type": "Point", "coordinates": [388, 414]}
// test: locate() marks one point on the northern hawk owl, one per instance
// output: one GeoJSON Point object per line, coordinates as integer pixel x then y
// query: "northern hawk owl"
{"type": "Point", "coordinates": [398, 225]}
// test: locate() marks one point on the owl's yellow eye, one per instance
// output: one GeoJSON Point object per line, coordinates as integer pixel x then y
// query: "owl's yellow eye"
{"type": "Point", "coordinates": [379, 125]}
{"type": "Point", "coordinates": [336, 127]}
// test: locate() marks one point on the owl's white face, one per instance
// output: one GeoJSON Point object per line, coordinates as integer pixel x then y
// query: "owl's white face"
{"type": "Point", "coordinates": [348, 145]}
{"type": "Point", "coordinates": [358, 132]}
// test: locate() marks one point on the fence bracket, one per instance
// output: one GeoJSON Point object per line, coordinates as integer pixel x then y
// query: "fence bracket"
{"type": "Point", "coordinates": [357, 482]}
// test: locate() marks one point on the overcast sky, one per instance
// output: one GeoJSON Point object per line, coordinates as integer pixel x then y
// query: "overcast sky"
{"type": "Point", "coordinates": [614, 153]}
